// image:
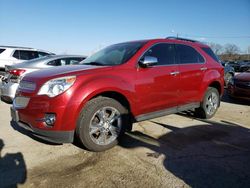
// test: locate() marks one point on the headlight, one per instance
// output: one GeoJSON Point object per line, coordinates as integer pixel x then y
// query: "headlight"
{"type": "Point", "coordinates": [57, 86]}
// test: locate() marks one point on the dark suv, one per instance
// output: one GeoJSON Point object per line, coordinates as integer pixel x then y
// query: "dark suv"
{"type": "Point", "coordinates": [121, 84]}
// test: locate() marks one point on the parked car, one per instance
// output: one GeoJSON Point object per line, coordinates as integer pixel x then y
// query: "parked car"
{"type": "Point", "coordinates": [228, 73]}
{"type": "Point", "coordinates": [235, 65]}
{"type": "Point", "coordinates": [123, 83]}
{"type": "Point", "coordinates": [244, 66]}
{"type": "Point", "coordinates": [10, 55]}
{"type": "Point", "coordinates": [239, 86]}
{"type": "Point", "coordinates": [15, 73]}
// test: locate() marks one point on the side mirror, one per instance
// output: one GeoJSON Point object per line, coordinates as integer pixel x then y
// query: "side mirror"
{"type": "Point", "coordinates": [148, 61]}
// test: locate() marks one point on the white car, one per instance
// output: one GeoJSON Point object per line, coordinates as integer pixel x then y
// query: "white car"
{"type": "Point", "coordinates": [10, 55]}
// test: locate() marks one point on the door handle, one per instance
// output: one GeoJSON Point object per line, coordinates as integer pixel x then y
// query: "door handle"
{"type": "Point", "coordinates": [203, 68]}
{"type": "Point", "coordinates": [174, 73]}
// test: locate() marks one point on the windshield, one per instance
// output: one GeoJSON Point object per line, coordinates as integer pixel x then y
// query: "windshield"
{"type": "Point", "coordinates": [114, 55]}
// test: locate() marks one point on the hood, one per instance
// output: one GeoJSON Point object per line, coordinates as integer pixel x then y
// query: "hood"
{"type": "Point", "coordinates": [245, 76]}
{"type": "Point", "coordinates": [61, 71]}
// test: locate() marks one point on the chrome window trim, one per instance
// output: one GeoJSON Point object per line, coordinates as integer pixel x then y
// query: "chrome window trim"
{"type": "Point", "coordinates": [137, 64]}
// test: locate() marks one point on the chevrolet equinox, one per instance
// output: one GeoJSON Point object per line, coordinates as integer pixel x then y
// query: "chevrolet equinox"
{"type": "Point", "coordinates": [98, 100]}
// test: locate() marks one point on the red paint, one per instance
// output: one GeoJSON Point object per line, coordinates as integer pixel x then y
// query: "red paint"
{"type": "Point", "coordinates": [241, 86]}
{"type": "Point", "coordinates": [146, 89]}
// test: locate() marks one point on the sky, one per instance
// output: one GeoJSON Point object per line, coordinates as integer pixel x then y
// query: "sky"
{"type": "Point", "coordinates": [84, 26]}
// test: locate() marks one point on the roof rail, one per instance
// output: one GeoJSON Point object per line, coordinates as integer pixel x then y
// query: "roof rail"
{"type": "Point", "coordinates": [15, 47]}
{"type": "Point", "coordinates": [185, 39]}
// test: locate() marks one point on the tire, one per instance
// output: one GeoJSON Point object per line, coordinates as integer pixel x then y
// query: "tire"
{"type": "Point", "coordinates": [228, 77]}
{"type": "Point", "coordinates": [101, 123]}
{"type": "Point", "coordinates": [209, 105]}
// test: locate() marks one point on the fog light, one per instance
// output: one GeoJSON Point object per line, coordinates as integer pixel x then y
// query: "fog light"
{"type": "Point", "coordinates": [50, 119]}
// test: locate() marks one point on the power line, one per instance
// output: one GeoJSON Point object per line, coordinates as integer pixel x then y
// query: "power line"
{"type": "Point", "coordinates": [224, 37]}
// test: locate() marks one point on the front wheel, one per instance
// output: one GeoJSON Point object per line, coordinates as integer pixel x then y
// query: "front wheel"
{"type": "Point", "coordinates": [209, 105]}
{"type": "Point", "coordinates": [101, 123]}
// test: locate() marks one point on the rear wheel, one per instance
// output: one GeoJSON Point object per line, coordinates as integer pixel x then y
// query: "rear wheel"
{"type": "Point", "coordinates": [209, 105]}
{"type": "Point", "coordinates": [101, 123]}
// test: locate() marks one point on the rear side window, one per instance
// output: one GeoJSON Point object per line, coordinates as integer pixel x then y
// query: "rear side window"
{"type": "Point", "coordinates": [1, 50]}
{"type": "Point", "coordinates": [41, 54]}
{"type": "Point", "coordinates": [210, 53]}
{"type": "Point", "coordinates": [25, 54]}
{"type": "Point", "coordinates": [188, 55]}
{"type": "Point", "coordinates": [165, 53]}
{"type": "Point", "coordinates": [16, 54]}
{"type": "Point", "coordinates": [65, 61]}
{"type": "Point", "coordinates": [56, 62]}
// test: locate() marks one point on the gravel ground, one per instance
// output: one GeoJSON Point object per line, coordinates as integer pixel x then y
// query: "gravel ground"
{"type": "Point", "coordinates": [171, 151]}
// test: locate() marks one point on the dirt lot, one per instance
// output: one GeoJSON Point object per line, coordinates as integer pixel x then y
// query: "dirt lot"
{"type": "Point", "coordinates": [172, 151]}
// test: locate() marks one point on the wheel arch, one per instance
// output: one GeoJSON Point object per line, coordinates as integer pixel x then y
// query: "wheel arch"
{"type": "Point", "coordinates": [216, 85]}
{"type": "Point", "coordinates": [114, 95]}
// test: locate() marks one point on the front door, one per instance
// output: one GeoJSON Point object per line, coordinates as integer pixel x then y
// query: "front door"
{"type": "Point", "coordinates": [158, 86]}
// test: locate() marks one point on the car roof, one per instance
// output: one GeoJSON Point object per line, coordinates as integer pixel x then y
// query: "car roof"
{"type": "Point", "coordinates": [24, 48]}
{"type": "Point", "coordinates": [16, 47]}
{"type": "Point", "coordinates": [174, 40]}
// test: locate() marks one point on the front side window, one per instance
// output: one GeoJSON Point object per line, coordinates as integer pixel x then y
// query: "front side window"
{"type": "Point", "coordinates": [165, 53]}
{"type": "Point", "coordinates": [114, 55]}
{"type": "Point", "coordinates": [188, 55]}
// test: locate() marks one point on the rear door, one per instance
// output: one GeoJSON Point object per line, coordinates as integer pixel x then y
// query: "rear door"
{"type": "Point", "coordinates": [192, 69]}
{"type": "Point", "coordinates": [158, 86]}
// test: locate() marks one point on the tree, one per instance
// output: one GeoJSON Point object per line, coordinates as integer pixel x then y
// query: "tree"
{"type": "Point", "coordinates": [231, 49]}
{"type": "Point", "coordinates": [217, 48]}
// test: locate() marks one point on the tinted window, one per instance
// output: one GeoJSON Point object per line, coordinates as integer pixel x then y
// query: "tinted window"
{"type": "Point", "coordinates": [41, 54]}
{"type": "Point", "coordinates": [188, 55]}
{"type": "Point", "coordinates": [16, 54]}
{"type": "Point", "coordinates": [55, 62]}
{"type": "Point", "coordinates": [25, 54]}
{"type": "Point", "coordinates": [210, 53]}
{"type": "Point", "coordinates": [2, 50]}
{"type": "Point", "coordinates": [165, 53]}
{"type": "Point", "coordinates": [65, 61]}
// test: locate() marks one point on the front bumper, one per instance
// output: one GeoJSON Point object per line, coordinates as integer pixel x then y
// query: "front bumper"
{"type": "Point", "coordinates": [47, 135]}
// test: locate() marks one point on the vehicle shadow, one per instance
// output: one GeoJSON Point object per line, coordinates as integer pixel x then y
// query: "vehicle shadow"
{"type": "Point", "coordinates": [12, 168]}
{"type": "Point", "coordinates": [227, 99]}
{"type": "Point", "coordinates": [211, 154]}
{"type": "Point", "coordinates": [15, 126]}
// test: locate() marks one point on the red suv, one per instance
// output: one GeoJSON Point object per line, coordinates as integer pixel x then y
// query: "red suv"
{"type": "Point", "coordinates": [121, 84]}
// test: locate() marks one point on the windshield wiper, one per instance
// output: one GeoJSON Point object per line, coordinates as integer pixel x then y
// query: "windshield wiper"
{"type": "Point", "coordinates": [94, 63]}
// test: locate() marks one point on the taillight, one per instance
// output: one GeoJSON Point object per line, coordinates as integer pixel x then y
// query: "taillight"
{"type": "Point", "coordinates": [17, 72]}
